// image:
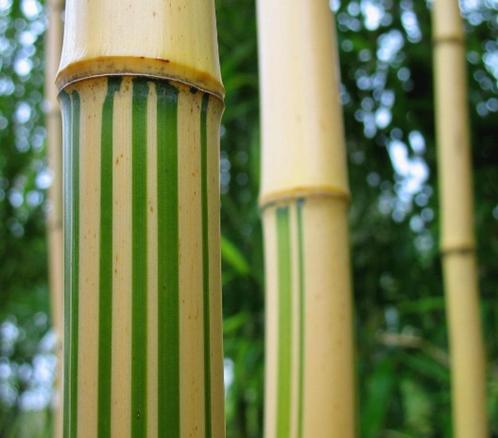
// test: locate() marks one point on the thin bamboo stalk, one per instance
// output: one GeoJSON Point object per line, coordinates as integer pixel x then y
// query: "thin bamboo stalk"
{"type": "Point", "coordinates": [457, 223]}
{"type": "Point", "coordinates": [304, 196]}
{"type": "Point", "coordinates": [54, 215]}
{"type": "Point", "coordinates": [141, 102]}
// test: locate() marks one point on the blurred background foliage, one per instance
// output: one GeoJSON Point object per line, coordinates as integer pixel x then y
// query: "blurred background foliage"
{"type": "Point", "coordinates": [387, 94]}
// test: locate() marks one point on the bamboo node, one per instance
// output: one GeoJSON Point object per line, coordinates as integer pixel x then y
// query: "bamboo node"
{"type": "Point", "coordinates": [448, 39]}
{"type": "Point", "coordinates": [54, 225]}
{"type": "Point", "coordinates": [139, 66]}
{"type": "Point", "coordinates": [295, 193]}
{"type": "Point", "coordinates": [457, 248]}
{"type": "Point", "coordinates": [57, 5]}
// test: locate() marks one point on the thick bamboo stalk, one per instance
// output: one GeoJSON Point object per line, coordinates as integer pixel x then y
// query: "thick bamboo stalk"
{"type": "Point", "coordinates": [304, 196]}
{"type": "Point", "coordinates": [457, 223]}
{"type": "Point", "coordinates": [54, 213]}
{"type": "Point", "coordinates": [143, 327]}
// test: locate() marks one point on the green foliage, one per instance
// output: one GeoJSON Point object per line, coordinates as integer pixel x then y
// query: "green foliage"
{"type": "Point", "coordinates": [26, 360]}
{"type": "Point", "coordinates": [386, 56]}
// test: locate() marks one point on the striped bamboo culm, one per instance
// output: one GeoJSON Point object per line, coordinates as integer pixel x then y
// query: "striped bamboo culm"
{"type": "Point", "coordinates": [306, 312]}
{"type": "Point", "coordinates": [143, 323]}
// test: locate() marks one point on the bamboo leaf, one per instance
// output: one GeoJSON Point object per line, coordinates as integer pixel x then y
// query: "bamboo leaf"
{"type": "Point", "coordinates": [233, 257]}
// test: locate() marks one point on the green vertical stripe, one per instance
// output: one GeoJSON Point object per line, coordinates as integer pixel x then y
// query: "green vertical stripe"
{"type": "Point", "coordinates": [74, 257]}
{"type": "Point", "coordinates": [205, 266]}
{"type": "Point", "coordinates": [66, 121]}
{"type": "Point", "coordinates": [139, 258]}
{"type": "Point", "coordinates": [105, 285]}
{"type": "Point", "coordinates": [284, 323]}
{"type": "Point", "coordinates": [168, 262]}
{"type": "Point", "coordinates": [302, 314]}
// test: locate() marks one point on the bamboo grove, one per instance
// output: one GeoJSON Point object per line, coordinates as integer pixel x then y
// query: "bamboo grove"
{"type": "Point", "coordinates": [142, 316]}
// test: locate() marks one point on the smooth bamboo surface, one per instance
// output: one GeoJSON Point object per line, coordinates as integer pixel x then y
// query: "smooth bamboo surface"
{"type": "Point", "coordinates": [53, 44]}
{"type": "Point", "coordinates": [143, 290]}
{"type": "Point", "coordinates": [457, 224]}
{"type": "Point", "coordinates": [309, 342]}
{"type": "Point", "coordinates": [309, 376]}
{"type": "Point", "coordinates": [143, 320]}
{"type": "Point", "coordinates": [302, 127]}
{"type": "Point", "coordinates": [164, 39]}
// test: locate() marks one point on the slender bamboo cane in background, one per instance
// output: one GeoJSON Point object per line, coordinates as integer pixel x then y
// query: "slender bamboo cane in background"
{"type": "Point", "coordinates": [304, 196]}
{"type": "Point", "coordinates": [457, 223]}
{"type": "Point", "coordinates": [142, 100]}
{"type": "Point", "coordinates": [54, 216]}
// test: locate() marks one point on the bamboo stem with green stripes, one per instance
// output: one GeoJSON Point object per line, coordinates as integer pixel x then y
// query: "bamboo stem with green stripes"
{"type": "Point", "coordinates": [304, 197]}
{"type": "Point", "coordinates": [457, 224]}
{"type": "Point", "coordinates": [141, 99]}
{"type": "Point", "coordinates": [53, 43]}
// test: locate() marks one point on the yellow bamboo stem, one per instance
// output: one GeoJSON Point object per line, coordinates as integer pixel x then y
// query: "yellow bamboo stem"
{"type": "Point", "coordinates": [176, 41]}
{"type": "Point", "coordinates": [54, 216]}
{"type": "Point", "coordinates": [141, 98]}
{"type": "Point", "coordinates": [457, 223]}
{"type": "Point", "coordinates": [304, 196]}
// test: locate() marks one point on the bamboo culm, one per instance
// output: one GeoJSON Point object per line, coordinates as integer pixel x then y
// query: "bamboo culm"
{"type": "Point", "coordinates": [308, 320]}
{"type": "Point", "coordinates": [143, 350]}
{"type": "Point", "coordinates": [304, 199]}
{"type": "Point", "coordinates": [457, 224]}
{"type": "Point", "coordinates": [54, 213]}
{"type": "Point", "coordinates": [142, 269]}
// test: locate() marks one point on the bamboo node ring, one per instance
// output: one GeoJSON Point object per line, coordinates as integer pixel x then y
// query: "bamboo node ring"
{"type": "Point", "coordinates": [276, 197]}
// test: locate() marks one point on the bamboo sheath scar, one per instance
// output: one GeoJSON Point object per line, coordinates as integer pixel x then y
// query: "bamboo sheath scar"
{"type": "Point", "coordinates": [143, 316]}
{"type": "Point", "coordinates": [304, 198]}
{"type": "Point", "coordinates": [457, 224]}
